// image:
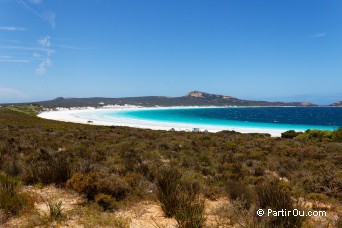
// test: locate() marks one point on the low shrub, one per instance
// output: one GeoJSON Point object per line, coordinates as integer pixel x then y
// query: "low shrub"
{"type": "Point", "coordinates": [234, 214]}
{"type": "Point", "coordinates": [190, 212]}
{"type": "Point", "coordinates": [238, 171]}
{"type": "Point", "coordinates": [325, 182]}
{"type": "Point", "coordinates": [316, 135]}
{"type": "Point", "coordinates": [106, 202]}
{"type": "Point", "coordinates": [14, 204]}
{"type": "Point", "coordinates": [55, 209]}
{"type": "Point", "coordinates": [259, 171]}
{"type": "Point", "coordinates": [237, 190]}
{"type": "Point", "coordinates": [273, 196]}
{"type": "Point", "coordinates": [283, 172]}
{"type": "Point", "coordinates": [180, 197]}
{"type": "Point", "coordinates": [192, 183]}
{"type": "Point", "coordinates": [94, 183]}
{"type": "Point", "coordinates": [338, 135]}
{"type": "Point", "coordinates": [317, 201]}
{"type": "Point", "coordinates": [46, 168]}
{"type": "Point", "coordinates": [9, 185]}
{"type": "Point", "coordinates": [168, 189]}
{"type": "Point", "coordinates": [85, 184]}
{"type": "Point", "coordinates": [114, 186]}
{"type": "Point", "coordinates": [11, 201]}
{"type": "Point", "coordinates": [290, 134]}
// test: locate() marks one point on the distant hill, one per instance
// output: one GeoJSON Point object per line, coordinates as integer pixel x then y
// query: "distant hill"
{"type": "Point", "coordinates": [337, 104]}
{"type": "Point", "coordinates": [194, 98]}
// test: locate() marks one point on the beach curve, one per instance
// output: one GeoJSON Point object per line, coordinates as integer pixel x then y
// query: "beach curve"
{"type": "Point", "coordinates": [72, 115]}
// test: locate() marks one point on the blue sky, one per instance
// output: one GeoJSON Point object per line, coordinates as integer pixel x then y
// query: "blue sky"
{"type": "Point", "coordinates": [252, 49]}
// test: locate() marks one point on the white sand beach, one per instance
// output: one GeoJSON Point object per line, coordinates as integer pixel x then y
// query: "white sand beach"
{"type": "Point", "coordinates": [71, 115]}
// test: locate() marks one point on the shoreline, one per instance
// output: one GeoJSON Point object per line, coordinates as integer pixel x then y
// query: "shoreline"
{"type": "Point", "coordinates": [70, 115]}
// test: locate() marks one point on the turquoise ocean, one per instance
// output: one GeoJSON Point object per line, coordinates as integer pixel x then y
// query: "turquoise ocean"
{"type": "Point", "coordinates": [280, 118]}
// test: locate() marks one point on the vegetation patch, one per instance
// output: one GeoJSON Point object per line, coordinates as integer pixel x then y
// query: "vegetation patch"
{"type": "Point", "coordinates": [116, 166]}
{"type": "Point", "coordinates": [11, 200]}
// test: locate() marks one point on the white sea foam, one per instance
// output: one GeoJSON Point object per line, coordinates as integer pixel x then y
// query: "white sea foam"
{"type": "Point", "coordinates": [75, 115]}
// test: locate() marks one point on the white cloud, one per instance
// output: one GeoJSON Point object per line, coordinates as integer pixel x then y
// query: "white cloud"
{"type": "Point", "coordinates": [10, 59]}
{"type": "Point", "coordinates": [46, 15]}
{"type": "Point", "coordinates": [25, 48]}
{"type": "Point", "coordinates": [41, 69]}
{"type": "Point", "coordinates": [12, 28]}
{"type": "Point", "coordinates": [45, 42]}
{"type": "Point", "coordinates": [11, 93]}
{"type": "Point", "coordinates": [15, 60]}
{"type": "Point", "coordinates": [41, 52]}
{"type": "Point", "coordinates": [318, 35]}
{"type": "Point", "coordinates": [50, 17]}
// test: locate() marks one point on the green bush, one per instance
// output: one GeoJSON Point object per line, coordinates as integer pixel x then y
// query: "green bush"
{"type": "Point", "coordinates": [168, 190]}
{"type": "Point", "coordinates": [9, 185]}
{"type": "Point", "coordinates": [46, 167]}
{"type": "Point", "coordinates": [237, 190]}
{"type": "Point", "coordinates": [11, 200]}
{"type": "Point", "coordinates": [274, 196]}
{"type": "Point", "coordinates": [180, 197]}
{"type": "Point", "coordinates": [316, 135]}
{"type": "Point", "coordinates": [290, 134]}
{"type": "Point", "coordinates": [338, 135]}
{"type": "Point", "coordinates": [190, 212]}
{"type": "Point", "coordinates": [283, 172]}
{"type": "Point", "coordinates": [10, 164]}
{"type": "Point", "coordinates": [191, 182]}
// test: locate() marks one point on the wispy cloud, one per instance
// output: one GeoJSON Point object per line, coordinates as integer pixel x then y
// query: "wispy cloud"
{"type": "Point", "coordinates": [319, 35]}
{"type": "Point", "coordinates": [12, 28]}
{"type": "Point", "coordinates": [41, 69]}
{"type": "Point", "coordinates": [46, 15]}
{"type": "Point", "coordinates": [15, 60]}
{"type": "Point", "coordinates": [43, 49]}
{"type": "Point", "coordinates": [11, 93]}
{"type": "Point", "coordinates": [5, 57]}
{"type": "Point", "coordinates": [50, 17]}
{"type": "Point", "coordinates": [44, 42]}
{"type": "Point", "coordinates": [11, 59]}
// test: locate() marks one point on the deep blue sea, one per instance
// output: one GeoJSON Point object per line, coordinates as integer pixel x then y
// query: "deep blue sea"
{"type": "Point", "coordinates": [296, 118]}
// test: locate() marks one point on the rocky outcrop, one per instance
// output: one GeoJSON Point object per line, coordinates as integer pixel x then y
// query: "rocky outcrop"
{"type": "Point", "coordinates": [200, 94]}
